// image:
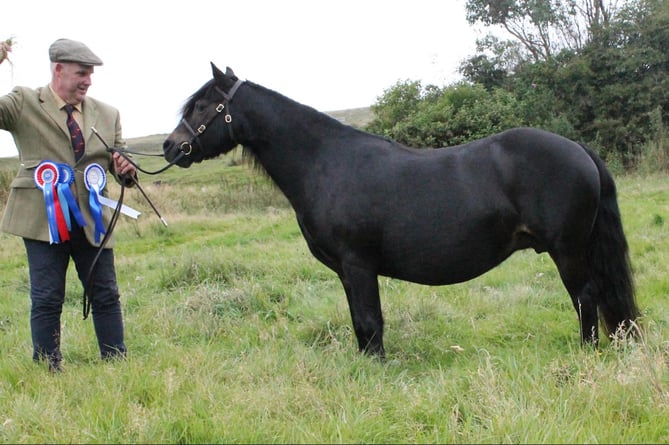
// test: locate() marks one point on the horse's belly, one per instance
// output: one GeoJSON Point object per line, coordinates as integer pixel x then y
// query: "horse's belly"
{"type": "Point", "coordinates": [451, 248]}
{"type": "Point", "coordinates": [439, 267]}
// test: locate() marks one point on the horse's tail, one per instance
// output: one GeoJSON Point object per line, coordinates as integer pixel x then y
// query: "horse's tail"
{"type": "Point", "coordinates": [608, 256]}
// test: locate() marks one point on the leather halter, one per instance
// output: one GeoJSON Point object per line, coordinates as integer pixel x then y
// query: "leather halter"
{"type": "Point", "coordinates": [186, 147]}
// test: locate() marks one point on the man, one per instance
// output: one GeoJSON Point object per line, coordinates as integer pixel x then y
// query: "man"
{"type": "Point", "coordinates": [53, 201]}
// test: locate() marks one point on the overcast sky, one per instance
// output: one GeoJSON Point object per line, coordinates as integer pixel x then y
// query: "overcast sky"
{"type": "Point", "coordinates": [328, 54]}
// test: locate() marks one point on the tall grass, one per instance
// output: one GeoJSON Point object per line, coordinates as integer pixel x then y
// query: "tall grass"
{"type": "Point", "coordinates": [237, 334]}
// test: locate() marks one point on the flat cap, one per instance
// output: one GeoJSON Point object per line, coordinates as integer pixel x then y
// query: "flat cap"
{"type": "Point", "coordinates": [66, 50]}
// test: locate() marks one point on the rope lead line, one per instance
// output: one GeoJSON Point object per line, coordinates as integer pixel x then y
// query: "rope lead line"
{"type": "Point", "coordinates": [88, 284]}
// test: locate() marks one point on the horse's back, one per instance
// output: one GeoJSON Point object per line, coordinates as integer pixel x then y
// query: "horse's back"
{"type": "Point", "coordinates": [532, 152]}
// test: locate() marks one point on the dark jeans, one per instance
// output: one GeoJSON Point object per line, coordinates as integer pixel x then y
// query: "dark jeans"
{"type": "Point", "coordinates": [48, 267]}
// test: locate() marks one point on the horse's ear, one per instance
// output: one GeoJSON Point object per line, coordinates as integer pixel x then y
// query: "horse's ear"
{"type": "Point", "coordinates": [218, 73]}
{"type": "Point", "coordinates": [215, 71]}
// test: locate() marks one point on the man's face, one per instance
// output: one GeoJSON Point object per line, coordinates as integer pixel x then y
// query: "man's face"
{"type": "Point", "coordinates": [71, 81]}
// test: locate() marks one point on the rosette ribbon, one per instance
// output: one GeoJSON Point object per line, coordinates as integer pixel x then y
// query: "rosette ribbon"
{"type": "Point", "coordinates": [67, 200]}
{"type": "Point", "coordinates": [46, 179]}
{"type": "Point", "coordinates": [95, 179]}
{"type": "Point", "coordinates": [127, 211]}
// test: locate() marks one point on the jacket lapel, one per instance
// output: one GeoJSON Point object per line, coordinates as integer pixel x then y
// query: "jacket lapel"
{"type": "Point", "coordinates": [90, 118]}
{"type": "Point", "coordinates": [51, 109]}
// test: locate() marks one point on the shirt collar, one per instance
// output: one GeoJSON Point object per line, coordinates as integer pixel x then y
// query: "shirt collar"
{"type": "Point", "coordinates": [61, 103]}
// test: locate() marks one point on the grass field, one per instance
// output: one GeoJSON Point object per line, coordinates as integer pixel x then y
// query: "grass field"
{"type": "Point", "coordinates": [237, 334]}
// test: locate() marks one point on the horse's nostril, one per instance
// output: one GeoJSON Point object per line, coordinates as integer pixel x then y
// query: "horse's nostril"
{"type": "Point", "coordinates": [167, 144]}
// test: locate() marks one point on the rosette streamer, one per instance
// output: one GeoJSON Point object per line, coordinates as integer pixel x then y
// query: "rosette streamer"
{"type": "Point", "coordinates": [46, 178]}
{"type": "Point", "coordinates": [95, 179]}
{"type": "Point", "coordinates": [64, 206]}
{"type": "Point", "coordinates": [67, 199]}
{"type": "Point", "coordinates": [61, 222]}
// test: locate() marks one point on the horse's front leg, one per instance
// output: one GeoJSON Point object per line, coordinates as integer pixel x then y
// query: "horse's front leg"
{"type": "Point", "coordinates": [362, 292]}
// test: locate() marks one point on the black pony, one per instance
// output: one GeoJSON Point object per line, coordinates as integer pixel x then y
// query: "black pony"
{"type": "Point", "coordinates": [369, 206]}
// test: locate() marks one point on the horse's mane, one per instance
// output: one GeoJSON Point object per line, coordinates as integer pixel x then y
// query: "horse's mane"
{"type": "Point", "coordinates": [249, 158]}
{"type": "Point", "coordinates": [308, 114]}
{"type": "Point", "coordinates": [248, 155]}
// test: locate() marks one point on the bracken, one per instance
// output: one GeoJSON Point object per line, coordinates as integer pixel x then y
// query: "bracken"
{"type": "Point", "coordinates": [5, 49]}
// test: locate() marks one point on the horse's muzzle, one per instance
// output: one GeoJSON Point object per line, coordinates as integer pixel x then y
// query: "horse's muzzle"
{"type": "Point", "coordinates": [172, 151]}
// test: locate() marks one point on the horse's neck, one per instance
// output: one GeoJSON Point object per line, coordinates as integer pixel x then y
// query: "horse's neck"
{"type": "Point", "coordinates": [277, 119]}
{"type": "Point", "coordinates": [286, 137]}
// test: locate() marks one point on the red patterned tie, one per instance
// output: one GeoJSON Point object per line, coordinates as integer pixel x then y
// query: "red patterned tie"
{"type": "Point", "coordinates": [75, 133]}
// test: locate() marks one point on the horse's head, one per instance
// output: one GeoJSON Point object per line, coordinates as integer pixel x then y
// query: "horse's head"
{"type": "Point", "coordinates": [205, 130]}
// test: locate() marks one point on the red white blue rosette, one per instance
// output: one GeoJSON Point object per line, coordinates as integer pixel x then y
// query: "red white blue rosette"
{"type": "Point", "coordinates": [46, 177]}
{"type": "Point", "coordinates": [95, 179]}
{"type": "Point", "coordinates": [46, 172]}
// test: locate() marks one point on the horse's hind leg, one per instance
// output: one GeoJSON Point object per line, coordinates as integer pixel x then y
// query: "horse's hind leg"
{"type": "Point", "coordinates": [362, 292]}
{"type": "Point", "coordinates": [582, 290]}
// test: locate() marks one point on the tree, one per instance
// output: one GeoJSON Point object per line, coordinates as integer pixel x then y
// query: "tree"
{"type": "Point", "coordinates": [610, 92]}
{"type": "Point", "coordinates": [433, 117]}
{"type": "Point", "coordinates": [605, 85]}
{"type": "Point", "coordinates": [494, 61]}
{"type": "Point", "coordinates": [544, 27]}
{"type": "Point", "coordinates": [396, 103]}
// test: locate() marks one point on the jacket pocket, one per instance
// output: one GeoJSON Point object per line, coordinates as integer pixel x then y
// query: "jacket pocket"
{"type": "Point", "coordinates": [25, 178]}
{"type": "Point", "coordinates": [22, 182]}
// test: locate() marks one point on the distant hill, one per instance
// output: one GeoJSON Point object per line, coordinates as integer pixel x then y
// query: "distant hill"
{"type": "Point", "coordinates": [147, 144]}
{"type": "Point", "coordinates": [355, 117]}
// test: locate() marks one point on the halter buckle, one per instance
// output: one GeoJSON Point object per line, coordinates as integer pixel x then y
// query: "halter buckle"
{"type": "Point", "coordinates": [201, 128]}
{"type": "Point", "coordinates": [219, 108]}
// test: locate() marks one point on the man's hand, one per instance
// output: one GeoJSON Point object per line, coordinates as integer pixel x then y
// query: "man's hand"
{"type": "Point", "coordinates": [122, 166]}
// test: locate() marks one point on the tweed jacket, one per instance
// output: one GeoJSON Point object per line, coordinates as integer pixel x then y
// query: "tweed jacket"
{"type": "Point", "coordinates": [40, 133]}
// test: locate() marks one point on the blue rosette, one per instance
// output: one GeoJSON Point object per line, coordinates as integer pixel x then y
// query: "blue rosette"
{"type": "Point", "coordinates": [95, 180]}
{"type": "Point", "coordinates": [67, 199]}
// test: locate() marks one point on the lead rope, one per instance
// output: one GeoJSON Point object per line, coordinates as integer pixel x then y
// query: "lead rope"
{"type": "Point", "coordinates": [112, 223]}
{"type": "Point", "coordinates": [110, 228]}
{"type": "Point", "coordinates": [86, 303]}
